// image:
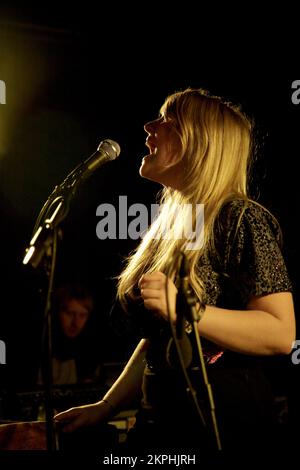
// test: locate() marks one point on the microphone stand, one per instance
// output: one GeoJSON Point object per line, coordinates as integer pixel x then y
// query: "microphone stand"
{"type": "Point", "coordinates": [47, 370]}
{"type": "Point", "coordinates": [44, 245]}
{"type": "Point", "coordinates": [177, 333]}
{"type": "Point", "coordinates": [193, 315]}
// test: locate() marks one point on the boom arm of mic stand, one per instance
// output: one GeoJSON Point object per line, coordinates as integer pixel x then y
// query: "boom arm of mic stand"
{"type": "Point", "coordinates": [57, 205]}
{"type": "Point", "coordinates": [43, 236]}
{"type": "Point", "coordinates": [66, 190]}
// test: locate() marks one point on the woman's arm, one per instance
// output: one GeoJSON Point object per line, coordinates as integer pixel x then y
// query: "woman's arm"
{"type": "Point", "coordinates": [267, 327]}
{"type": "Point", "coordinates": [128, 385]}
{"type": "Point", "coordinates": [125, 389]}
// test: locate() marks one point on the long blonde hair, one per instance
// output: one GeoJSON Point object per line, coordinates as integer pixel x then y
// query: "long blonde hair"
{"type": "Point", "coordinates": [216, 148]}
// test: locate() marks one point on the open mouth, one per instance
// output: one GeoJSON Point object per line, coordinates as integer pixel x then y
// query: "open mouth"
{"type": "Point", "coordinates": [152, 147]}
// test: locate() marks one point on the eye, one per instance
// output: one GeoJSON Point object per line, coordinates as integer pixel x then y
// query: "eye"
{"type": "Point", "coordinates": [83, 316]}
{"type": "Point", "coordinates": [163, 118]}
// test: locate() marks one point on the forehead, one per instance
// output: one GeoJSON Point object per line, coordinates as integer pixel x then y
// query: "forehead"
{"type": "Point", "coordinates": [165, 110]}
{"type": "Point", "coordinates": [76, 305]}
{"type": "Point", "coordinates": [170, 104]}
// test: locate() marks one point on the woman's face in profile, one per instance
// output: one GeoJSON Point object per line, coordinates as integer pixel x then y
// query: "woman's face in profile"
{"type": "Point", "coordinates": [73, 316]}
{"type": "Point", "coordinates": [162, 163]}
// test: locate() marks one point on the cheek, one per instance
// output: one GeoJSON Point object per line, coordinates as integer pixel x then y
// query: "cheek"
{"type": "Point", "coordinates": [82, 322]}
{"type": "Point", "coordinates": [65, 321]}
{"type": "Point", "coordinates": [173, 149]}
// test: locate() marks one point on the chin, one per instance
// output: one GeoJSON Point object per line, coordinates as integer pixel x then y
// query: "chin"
{"type": "Point", "coordinates": [147, 175]}
{"type": "Point", "coordinates": [150, 173]}
{"type": "Point", "coordinates": [72, 335]}
{"type": "Point", "coordinates": [143, 171]}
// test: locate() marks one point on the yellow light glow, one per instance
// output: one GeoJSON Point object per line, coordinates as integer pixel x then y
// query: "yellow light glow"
{"type": "Point", "coordinates": [28, 255]}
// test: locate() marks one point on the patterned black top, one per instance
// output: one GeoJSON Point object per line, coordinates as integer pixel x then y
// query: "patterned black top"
{"type": "Point", "coordinates": [248, 262]}
{"type": "Point", "coordinates": [249, 257]}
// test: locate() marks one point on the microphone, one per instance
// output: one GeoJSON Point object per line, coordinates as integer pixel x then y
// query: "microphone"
{"type": "Point", "coordinates": [56, 207]}
{"type": "Point", "coordinates": [107, 150]}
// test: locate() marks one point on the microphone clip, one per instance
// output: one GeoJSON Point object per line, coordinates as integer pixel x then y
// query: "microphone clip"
{"type": "Point", "coordinates": [187, 303]}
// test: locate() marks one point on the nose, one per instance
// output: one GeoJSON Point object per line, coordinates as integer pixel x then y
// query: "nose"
{"type": "Point", "coordinates": [74, 321]}
{"type": "Point", "coordinates": [150, 127]}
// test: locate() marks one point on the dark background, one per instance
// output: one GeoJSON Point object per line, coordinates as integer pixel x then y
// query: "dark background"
{"type": "Point", "coordinates": [74, 78]}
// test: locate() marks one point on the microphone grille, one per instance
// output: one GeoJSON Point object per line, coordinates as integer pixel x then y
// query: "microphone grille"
{"type": "Point", "coordinates": [110, 147]}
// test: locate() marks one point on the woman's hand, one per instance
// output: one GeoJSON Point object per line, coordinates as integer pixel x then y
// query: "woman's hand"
{"type": "Point", "coordinates": [83, 416]}
{"type": "Point", "coordinates": [153, 292]}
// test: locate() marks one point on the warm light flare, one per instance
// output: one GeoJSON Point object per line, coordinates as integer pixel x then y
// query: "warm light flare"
{"type": "Point", "coordinates": [29, 254]}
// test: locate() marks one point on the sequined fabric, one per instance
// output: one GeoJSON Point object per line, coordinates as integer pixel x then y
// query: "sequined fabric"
{"type": "Point", "coordinates": [247, 262]}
